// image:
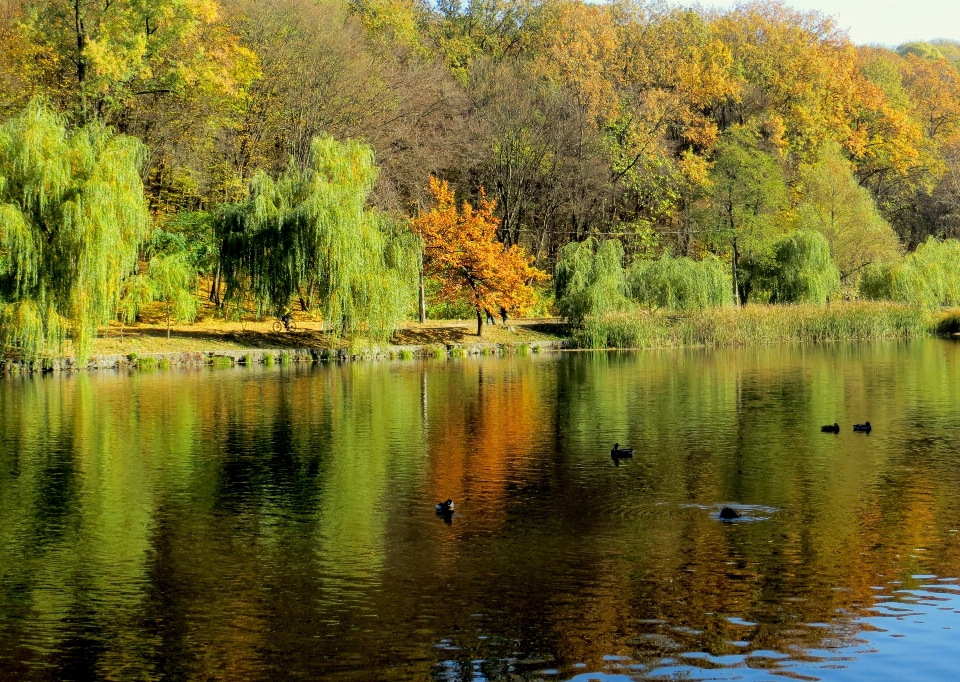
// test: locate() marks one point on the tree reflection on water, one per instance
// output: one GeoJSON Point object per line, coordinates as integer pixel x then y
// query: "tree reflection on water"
{"type": "Point", "coordinates": [252, 524]}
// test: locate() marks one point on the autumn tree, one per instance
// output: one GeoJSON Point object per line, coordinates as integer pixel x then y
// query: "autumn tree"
{"type": "Point", "coordinates": [545, 170]}
{"type": "Point", "coordinates": [461, 249]}
{"type": "Point", "coordinates": [21, 60]}
{"type": "Point", "coordinates": [111, 52]}
{"type": "Point", "coordinates": [320, 73]}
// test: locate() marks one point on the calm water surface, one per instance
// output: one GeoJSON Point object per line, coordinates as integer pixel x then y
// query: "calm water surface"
{"type": "Point", "coordinates": [275, 524]}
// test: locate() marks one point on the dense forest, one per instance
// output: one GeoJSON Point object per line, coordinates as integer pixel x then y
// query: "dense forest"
{"type": "Point", "coordinates": [322, 154]}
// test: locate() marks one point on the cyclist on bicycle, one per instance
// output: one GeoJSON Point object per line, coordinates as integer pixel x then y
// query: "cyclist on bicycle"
{"type": "Point", "coordinates": [286, 314]}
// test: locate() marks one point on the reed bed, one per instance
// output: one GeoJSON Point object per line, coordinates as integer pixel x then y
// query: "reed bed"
{"type": "Point", "coordinates": [758, 324]}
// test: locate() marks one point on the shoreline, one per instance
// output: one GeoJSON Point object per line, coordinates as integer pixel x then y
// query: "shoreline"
{"type": "Point", "coordinates": [281, 356]}
{"type": "Point", "coordinates": [145, 347]}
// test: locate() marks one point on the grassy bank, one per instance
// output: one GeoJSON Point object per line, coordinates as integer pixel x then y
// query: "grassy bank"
{"type": "Point", "coordinates": [213, 334]}
{"type": "Point", "coordinates": [762, 324]}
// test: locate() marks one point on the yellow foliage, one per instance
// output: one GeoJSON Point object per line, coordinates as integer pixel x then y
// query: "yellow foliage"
{"type": "Point", "coordinates": [461, 249]}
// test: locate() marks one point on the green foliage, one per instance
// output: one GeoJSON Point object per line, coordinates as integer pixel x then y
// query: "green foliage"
{"type": "Point", "coordinates": [147, 364]}
{"type": "Point", "coordinates": [590, 279]}
{"type": "Point", "coordinates": [174, 281]}
{"type": "Point", "coordinates": [170, 277]}
{"type": "Point", "coordinates": [680, 283]}
{"type": "Point", "coordinates": [929, 277]}
{"type": "Point", "coordinates": [447, 308]}
{"type": "Point", "coordinates": [747, 192]}
{"type": "Point", "coordinates": [195, 233]}
{"type": "Point", "coordinates": [268, 360]}
{"type": "Point", "coordinates": [310, 231]}
{"type": "Point", "coordinates": [285, 359]}
{"type": "Point", "coordinates": [755, 324]}
{"type": "Point", "coordinates": [834, 204]}
{"type": "Point", "coordinates": [136, 291]}
{"type": "Point", "coordinates": [803, 271]}
{"type": "Point", "coordinates": [406, 355]}
{"type": "Point", "coordinates": [920, 49]}
{"type": "Point", "coordinates": [949, 323]}
{"type": "Point", "coordinates": [72, 217]}
{"type": "Point", "coordinates": [221, 362]}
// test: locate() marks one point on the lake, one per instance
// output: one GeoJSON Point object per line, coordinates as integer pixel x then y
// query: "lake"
{"type": "Point", "coordinates": [278, 523]}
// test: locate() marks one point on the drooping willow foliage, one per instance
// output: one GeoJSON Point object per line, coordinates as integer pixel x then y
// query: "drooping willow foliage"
{"type": "Point", "coordinates": [590, 279]}
{"type": "Point", "coordinates": [680, 283]}
{"type": "Point", "coordinates": [72, 217]}
{"type": "Point", "coordinates": [929, 277]}
{"type": "Point", "coordinates": [802, 270]}
{"type": "Point", "coordinates": [309, 233]}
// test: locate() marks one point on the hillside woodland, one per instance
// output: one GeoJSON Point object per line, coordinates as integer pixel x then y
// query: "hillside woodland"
{"type": "Point", "coordinates": [354, 159]}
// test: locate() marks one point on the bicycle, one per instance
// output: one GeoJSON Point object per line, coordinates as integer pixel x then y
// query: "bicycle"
{"type": "Point", "coordinates": [284, 324]}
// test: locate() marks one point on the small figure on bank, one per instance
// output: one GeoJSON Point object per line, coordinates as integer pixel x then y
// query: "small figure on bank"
{"type": "Point", "coordinates": [503, 315]}
{"type": "Point", "coordinates": [490, 319]}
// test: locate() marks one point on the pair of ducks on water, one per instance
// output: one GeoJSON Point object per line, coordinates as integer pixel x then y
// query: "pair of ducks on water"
{"type": "Point", "coordinates": [619, 453]}
{"type": "Point", "coordinates": [835, 428]}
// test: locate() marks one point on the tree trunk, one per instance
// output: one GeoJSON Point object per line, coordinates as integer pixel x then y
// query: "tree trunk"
{"type": "Point", "coordinates": [479, 321]}
{"type": "Point", "coordinates": [215, 288]}
{"type": "Point", "coordinates": [168, 322]}
{"type": "Point", "coordinates": [733, 264]}
{"type": "Point", "coordinates": [423, 300]}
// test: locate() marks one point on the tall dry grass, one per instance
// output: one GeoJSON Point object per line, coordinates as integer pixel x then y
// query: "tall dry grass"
{"type": "Point", "coordinates": [758, 324]}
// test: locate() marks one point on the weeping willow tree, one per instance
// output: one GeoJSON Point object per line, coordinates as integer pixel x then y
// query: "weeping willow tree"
{"type": "Point", "coordinates": [72, 217]}
{"type": "Point", "coordinates": [590, 279]}
{"type": "Point", "coordinates": [802, 270]}
{"type": "Point", "coordinates": [680, 283]}
{"type": "Point", "coordinates": [929, 277]}
{"type": "Point", "coordinates": [309, 233]}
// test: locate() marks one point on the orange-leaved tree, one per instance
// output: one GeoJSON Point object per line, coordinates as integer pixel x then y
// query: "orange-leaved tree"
{"type": "Point", "coordinates": [461, 250]}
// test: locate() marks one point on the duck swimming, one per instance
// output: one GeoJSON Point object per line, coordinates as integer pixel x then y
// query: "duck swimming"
{"type": "Point", "coordinates": [617, 452]}
{"type": "Point", "coordinates": [831, 428]}
{"type": "Point", "coordinates": [728, 514]}
{"type": "Point", "coordinates": [866, 428]}
{"type": "Point", "coordinates": [444, 507]}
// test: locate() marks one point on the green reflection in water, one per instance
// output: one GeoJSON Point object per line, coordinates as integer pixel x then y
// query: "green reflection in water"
{"type": "Point", "coordinates": [278, 523]}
